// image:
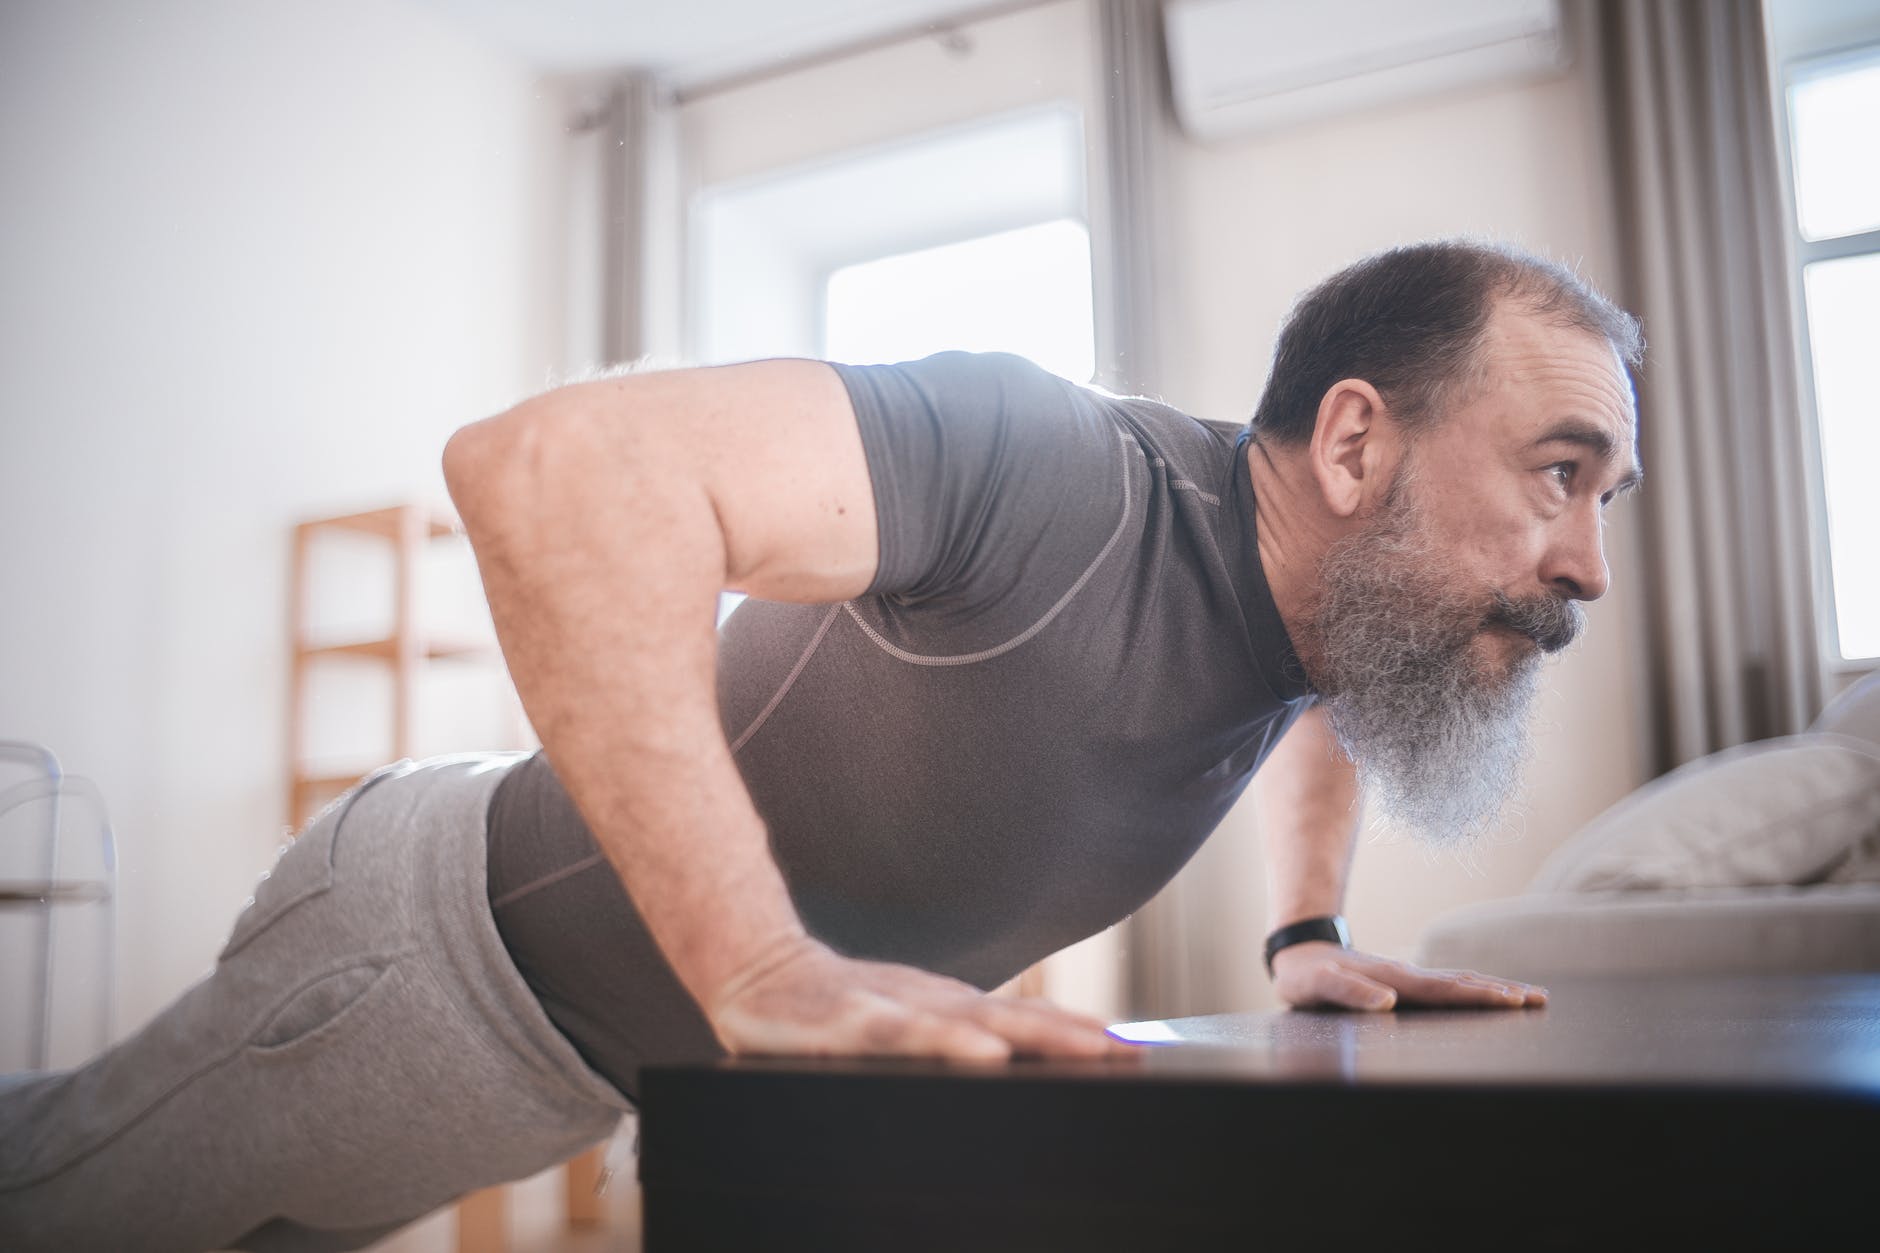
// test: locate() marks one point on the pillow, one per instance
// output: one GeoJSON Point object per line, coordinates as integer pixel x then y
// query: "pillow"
{"type": "Point", "coordinates": [1781, 811]}
{"type": "Point", "coordinates": [1862, 865]}
{"type": "Point", "coordinates": [1855, 712]}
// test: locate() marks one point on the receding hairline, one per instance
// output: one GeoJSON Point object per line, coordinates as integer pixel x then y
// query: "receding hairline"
{"type": "Point", "coordinates": [1541, 298]}
{"type": "Point", "coordinates": [1560, 297]}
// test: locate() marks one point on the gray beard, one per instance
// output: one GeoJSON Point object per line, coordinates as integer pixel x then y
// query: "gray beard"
{"type": "Point", "coordinates": [1439, 739]}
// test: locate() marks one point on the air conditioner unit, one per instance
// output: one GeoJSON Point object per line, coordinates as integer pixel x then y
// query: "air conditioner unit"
{"type": "Point", "coordinates": [1240, 66]}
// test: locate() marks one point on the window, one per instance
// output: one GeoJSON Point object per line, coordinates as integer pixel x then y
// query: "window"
{"type": "Point", "coordinates": [1835, 155]}
{"type": "Point", "coordinates": [1832, 110]}
{"type": "Point", "coordinates": [1024, 291]}
{"type": "Point", "coordinates": [837, 259]}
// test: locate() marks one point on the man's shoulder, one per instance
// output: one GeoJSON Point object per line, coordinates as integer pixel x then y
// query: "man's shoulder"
{"type": "Point", "coordinates": [956, 384]}
{"type": "Point", "coordinates": [1023, 384]}
{"type": "Point", "coordinates": [1019, 413]}
{"type": "Point", "coordinates": [1193, 447]}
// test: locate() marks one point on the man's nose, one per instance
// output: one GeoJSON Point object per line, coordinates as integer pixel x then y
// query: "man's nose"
{"type": "Point", "coordinates": [1576, 565]}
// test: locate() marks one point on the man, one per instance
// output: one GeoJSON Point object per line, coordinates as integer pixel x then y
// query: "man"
{"type": "Point", "coordinates": [1014, 649]}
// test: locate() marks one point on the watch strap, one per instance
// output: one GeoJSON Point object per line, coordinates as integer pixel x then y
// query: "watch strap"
{"type": "Point", "coordinates": [1326, 927]}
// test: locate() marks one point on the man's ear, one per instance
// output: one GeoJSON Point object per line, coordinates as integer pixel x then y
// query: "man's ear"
{"type": "Point", "coordinates": [1353, 444]}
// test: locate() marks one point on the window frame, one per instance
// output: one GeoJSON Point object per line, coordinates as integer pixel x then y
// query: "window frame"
{"type": "Point", "coordinates": [1793, 70]}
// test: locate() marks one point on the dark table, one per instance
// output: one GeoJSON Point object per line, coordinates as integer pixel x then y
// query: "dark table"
{"type": "Point", "coordinates": [1662, 1113]}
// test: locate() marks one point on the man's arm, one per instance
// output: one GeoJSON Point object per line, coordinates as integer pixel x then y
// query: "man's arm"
{"type": "Point", "coordinates": [1306, 796]}
{"type": "Point", "coordinates": [606, 518]}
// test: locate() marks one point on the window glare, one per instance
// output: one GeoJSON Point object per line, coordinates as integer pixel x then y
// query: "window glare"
{"type": "Point", "coordinates": [1843, 299]}
{"type": "Point", "coordinates": [1837, 151]}
{"type": "Point", "coordinates": [1025, 291]}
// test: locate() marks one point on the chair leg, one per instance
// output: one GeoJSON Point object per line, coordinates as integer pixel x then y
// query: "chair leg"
{"type": "Point", "coordinates": [483, 1221]}
{"type": "Point", "coordinates": [584, 1176]}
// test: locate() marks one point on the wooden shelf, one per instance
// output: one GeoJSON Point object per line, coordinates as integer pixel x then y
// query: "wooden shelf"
{"type": "Point", "coordinates": [311, 792]}
{"type": "Point", "coordinates": [341, 781]}
{"type": "Point", "coordinates": [405, 650]}
{"type": "Point", "coordinates": [387, 650]}
{"type": "Point", "coordinates": [43, 892]}
{"type": "Point", "coordinates": [384, 523]}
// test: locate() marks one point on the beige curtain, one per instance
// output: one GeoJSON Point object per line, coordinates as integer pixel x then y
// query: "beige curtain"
{"type": "Point", "coordinates": [642, 221]}
{"type": "Point", "coordinates": [1138, 120]}
{"type": "Point", "coordinates": [1704, 244]}
{"type": "Point", "coordinates": [1170, 962]}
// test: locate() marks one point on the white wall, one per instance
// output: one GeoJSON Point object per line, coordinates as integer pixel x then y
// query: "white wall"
{"type": "Point", "coordinates": [1252, 224]}
{"type": "Point", "coordinates": [259, 261]}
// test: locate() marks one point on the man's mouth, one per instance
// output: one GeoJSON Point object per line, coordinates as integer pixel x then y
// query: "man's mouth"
{"type": "Point", "coordinates": [1550, 624]}
{"type": "Point", "coordinates": [1502, 628]}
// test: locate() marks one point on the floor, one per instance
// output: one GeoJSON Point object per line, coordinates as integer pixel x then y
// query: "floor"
{"type": "Point", "coordinates": [538, 1221]}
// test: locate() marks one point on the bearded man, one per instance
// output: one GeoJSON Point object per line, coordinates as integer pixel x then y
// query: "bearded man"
{"type": "Point", "coordinates": [1014, 649]}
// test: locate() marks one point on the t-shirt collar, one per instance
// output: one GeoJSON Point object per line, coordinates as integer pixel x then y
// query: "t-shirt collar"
{"type": "Point", "coordinates": [1267, 639]}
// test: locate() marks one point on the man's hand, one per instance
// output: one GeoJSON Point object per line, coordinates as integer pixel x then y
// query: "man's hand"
{"type": "Point", "coordinates": [1319, 973]}
{"type": "Point", "coordinates": [802, 998]}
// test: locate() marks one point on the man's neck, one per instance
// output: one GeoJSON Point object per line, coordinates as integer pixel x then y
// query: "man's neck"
{"type": "Point", "coordinates": [1293, 531]}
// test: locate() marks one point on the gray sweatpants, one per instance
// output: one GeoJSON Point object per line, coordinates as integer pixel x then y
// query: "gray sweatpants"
{"type": "Point", "coordinates": [363, 1052]}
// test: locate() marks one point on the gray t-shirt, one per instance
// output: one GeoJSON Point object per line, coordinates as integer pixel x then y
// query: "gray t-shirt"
{"type": "Point", "coordinates": [1065, 672]}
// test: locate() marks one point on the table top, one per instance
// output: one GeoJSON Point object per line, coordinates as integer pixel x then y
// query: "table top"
{"type": "Point", "coordinates": [1815, 1030]}
{"type": "Point", "coordinates": [1776, 1031]}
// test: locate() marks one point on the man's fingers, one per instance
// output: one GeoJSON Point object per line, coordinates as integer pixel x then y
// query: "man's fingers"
{"type": "Point", "coordinates": [1340, 985]}
{"type": "Point", "coordinates": [876, 1027]}
{"type": "Point", "coordinates": [1480, 987]}
{"type": "Point", "coordinates": [879, 1026]}
{"type": "Point", "coordinates": [1041, 1029]}
{"type": "Point", "coordinates": [826, 1005]}
{"type": "Point", "coordinates": [1364, 981]}
{"type": "Point", "coordinates": [950, 1039]}
{"type": "Point", "coordinates": [1465, 987]}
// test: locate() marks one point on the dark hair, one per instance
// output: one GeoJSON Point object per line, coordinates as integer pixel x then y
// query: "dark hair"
{"type": "Point", "coordinates": [1409, 321]}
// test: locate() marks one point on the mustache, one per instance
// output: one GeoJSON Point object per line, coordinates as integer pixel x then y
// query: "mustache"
{"type": "Point", "coordinates": [1551, 622]}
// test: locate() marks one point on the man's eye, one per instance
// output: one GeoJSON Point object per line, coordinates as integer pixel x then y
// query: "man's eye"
{"type": "Point", "coordinates": [1562, 472]}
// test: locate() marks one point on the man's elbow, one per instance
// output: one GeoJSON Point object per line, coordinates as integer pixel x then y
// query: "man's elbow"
{"type": "Point", "coordinates": [471, 460]}
{"type": "Point", "coordinates": [558, 462]}
{"type": "Point", "coordinates": [498, 470]}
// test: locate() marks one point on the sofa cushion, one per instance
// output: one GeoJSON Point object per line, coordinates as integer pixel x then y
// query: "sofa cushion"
{"type": "Point", "coordinates": [1862, 865]}
{"type": "Point", "coordinates": [1855, 712]}
{"type": "Point", "coordinates": [1783, 811]}
{"type": "Point", "coordinates": [1691, 931]}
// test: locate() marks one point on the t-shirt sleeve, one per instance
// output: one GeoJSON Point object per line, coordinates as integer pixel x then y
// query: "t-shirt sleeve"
{"type": "Point", "coordinates": [989, 474]}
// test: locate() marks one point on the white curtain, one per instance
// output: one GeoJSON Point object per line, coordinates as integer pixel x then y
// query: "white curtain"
{"type": "Point", "coordinates": [1705, 254]}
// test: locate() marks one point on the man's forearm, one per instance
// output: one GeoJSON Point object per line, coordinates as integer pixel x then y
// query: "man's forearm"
{"type": "Point", "coordinates": [603, 595]}
{"type": "Point", "coordinates": [1306, 796]}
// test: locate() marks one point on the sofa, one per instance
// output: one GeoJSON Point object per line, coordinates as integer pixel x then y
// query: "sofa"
{"type": "Point", "coordinates": [1762, 858]}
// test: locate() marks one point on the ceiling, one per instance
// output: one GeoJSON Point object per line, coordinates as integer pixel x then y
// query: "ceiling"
{"type": "Point", "coordinates": [689, 42]}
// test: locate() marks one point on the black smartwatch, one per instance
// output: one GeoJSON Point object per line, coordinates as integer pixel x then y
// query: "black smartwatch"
{"type": "Point", "coordinates": [1330, 927]}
